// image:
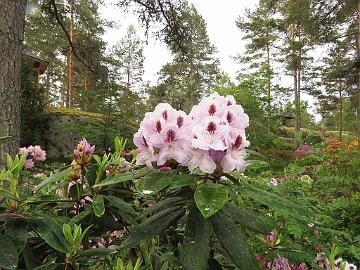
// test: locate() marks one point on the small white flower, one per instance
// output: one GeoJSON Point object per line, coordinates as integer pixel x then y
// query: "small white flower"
{"type": "Point", "coordinates": [274, 182]}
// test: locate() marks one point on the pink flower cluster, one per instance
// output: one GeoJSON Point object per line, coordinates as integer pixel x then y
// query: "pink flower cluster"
{"type": "Point", "coordinates": [108, 244]}
{"type": "Point", "coordinates": [322, 262]}
{"type": "Point", "coordinates": [211, 138]}
{"type": "Point", "coordinates": [83, 152]}
{"type": "Point", "coordinates": [281, 263]}
{"type": "Point", "coordinates": [33, 153]}
{"type": "Point", "coordinates": [302, 151]}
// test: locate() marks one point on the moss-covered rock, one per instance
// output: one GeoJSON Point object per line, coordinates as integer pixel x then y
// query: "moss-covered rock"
{"type": "Point", "coordinates": [68, 126]}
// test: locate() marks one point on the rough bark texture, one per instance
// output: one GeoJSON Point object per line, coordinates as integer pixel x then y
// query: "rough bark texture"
{"type": "Point", "coordinates": [12, 20]}
{"type": "Point", "coordinates": [358, 85]}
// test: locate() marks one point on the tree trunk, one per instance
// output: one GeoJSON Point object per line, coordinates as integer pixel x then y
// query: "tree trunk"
{"type": "Point", "coordinates": [12, 20]}
{"type": "Point", "coordinates": [358, 82]}
{"type": "Point", "coordinates": [298, 105]}
{"type": "Point", "coordinates": [70, 62]}
{"type": "Point", "coordinates": [340, 114]}
{"type": "Point", "coordinates": [47, 88]}
{"type": "Point", "coordinates": [268, 86]}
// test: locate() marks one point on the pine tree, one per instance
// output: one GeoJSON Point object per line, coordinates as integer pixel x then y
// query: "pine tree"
{"type": "Point", "coordinates": [128, 64]}
{"type": "Point", "coordinates": [340, 21]}
{"type": "Point", "coordinates": [193, 71]}
{"type": "Point", "coordinates": [260, 30]}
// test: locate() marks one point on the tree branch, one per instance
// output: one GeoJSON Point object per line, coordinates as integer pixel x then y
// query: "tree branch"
{"type": "Point", "coordinates": [54, 11]}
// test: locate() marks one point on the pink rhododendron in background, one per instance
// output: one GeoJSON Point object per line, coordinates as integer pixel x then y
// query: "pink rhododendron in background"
{"type": "Point", "coordinates": [280, 263]}
{"type": "Point", "coordinates": [271, 238]}
{"type": "Point", "coordinates": [83, 152]}
{"type": "Point", "coordinates": [29, 163]}
{"type": "Point", "coordinates": [322, 261]}
{"type": "Point", "coordinates": [302, 151]}
{"type": "Point", "coordinates": [163, 136]}
{"type": "Point", "coordinates": [33, 153]}
{"type": "Point", "coordinates": [218, 137]}
{"type": "Point", "coordinates": [37, 153]}
{"type": "Point", "coordinates": [23, 150]}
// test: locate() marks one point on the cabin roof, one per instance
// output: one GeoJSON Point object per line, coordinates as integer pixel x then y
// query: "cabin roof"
{"type": "Point", "coordinates": [37, 61]}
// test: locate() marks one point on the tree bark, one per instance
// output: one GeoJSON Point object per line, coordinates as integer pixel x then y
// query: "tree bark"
{"type": "Point", "coordinates": [12, 21]}
{"type": "Point", "coordinates": [340, 114]}
{"type": "Point", "coordinates": [70, 63]}
{"type": "Point", "coordinates": [268, 86]}
{"type": "Point", "coordinates": [358, 83]}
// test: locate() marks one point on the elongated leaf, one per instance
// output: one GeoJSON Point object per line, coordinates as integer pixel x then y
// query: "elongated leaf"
{"type": "Point", "coordinates": [153, 226]}
{"type": "Point", "coordinates": [8, 253]}
{"type": "Point", "coordinates": [123, 177]}
{"type": "Point", "coordinates": [183, 180]}
{"type": "Point", "coordinates": [48, 266]}
{"type": "Point", "coordinates": [51, 232]}
{"type": "Point", "coordinates": [98, 205]}
{"type": "Point", "coordinates": [196, 241]}
{"type": "Point", "coordinates": [156, 181]}
{"type": "Point", "coordinates": [214, 265]}
{"type": "Point", "coordinates": [275, 201]}
{"type": "Point", "coordinates": [52, 178]}
{"type": "Point", "coordinates": [79, 217]}
{"type": "Point", "coordinates": [98, 252]}
{"type": "Point", "coordinates": [233, 242]}
{"type": "Point", "coordinates": [210, 198]}
{"type": "Point", "coordinates": [247, 219]}
{"type": "Point", "coordinates": [122, 208]}
{"type": "Point", "coordinates": [7, 195]}
{"type": "Point", "coordinates": [17, 231]}
{"type": "Point", "coordinates": [161, 205]}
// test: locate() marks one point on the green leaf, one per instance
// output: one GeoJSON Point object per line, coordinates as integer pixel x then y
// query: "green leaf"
{"type": "Point", "coordinates": [8, 253]}
{"type": "Point", "coordinates": [17, 231]}
{"type": "Point", "coordinates": [210, 198]}
{"type": "Point", "coordinates": [7, 195]}
{"type": "Point", "coordinates": [91, 177]}
{"type": "Point", "coordinates": [98, 205]}
{"type": "Point", "coordinates": [156, 181]}
{"type": "Point", "coordinates": [52, 178]}
{"type": "Point", "coordinates": [51, 232]}
{"type": "Point", "coordinates": [98, 252]}
{"type": "Point", "coordinates": [274, 201]}
{"type": "Point", "coordinates": [196, 241]}
{"type": "Point", "coordinates": [233, 242]}
{"type": "Point", "coordinates": [183, 180]}
{"type": "Point", "coordinates": [254, 222]}
{"type": "Point", "coordinates": [123, 177]}
{"type": "Point", "coordinates": [48, 266]}
{"type": "Point", "coordinates": [67, 231]}
{"type": "Point", "coordinates": [121, 205]}
{"type": "Point", "coordinates": [79, 217]}
{"type": "Point", "coordinates": [161, 205]}
{"type": "Point", "coordinates": [153, 226]}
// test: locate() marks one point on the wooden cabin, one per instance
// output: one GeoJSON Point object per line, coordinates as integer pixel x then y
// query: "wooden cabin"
{"type": "Point", "coordinates": [38, 64]}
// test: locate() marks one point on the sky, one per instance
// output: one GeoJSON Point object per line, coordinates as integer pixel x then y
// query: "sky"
{"type": "Point", "coordinates": [220, 17]}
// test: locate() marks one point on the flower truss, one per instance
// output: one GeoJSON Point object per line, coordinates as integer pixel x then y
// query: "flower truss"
{"type": "Point", "coordinates": [211, 138]}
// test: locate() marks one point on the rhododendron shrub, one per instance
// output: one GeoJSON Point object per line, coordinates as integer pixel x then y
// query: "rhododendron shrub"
{"type": "Point", "coordinates": [191, 160]}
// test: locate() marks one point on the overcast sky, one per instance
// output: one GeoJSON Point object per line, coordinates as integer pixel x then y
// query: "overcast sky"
{"type": "Point", "coordinates": [220, 17]}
